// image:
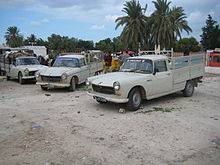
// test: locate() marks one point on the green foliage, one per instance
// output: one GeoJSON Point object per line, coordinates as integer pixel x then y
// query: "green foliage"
{"type": "Point", "coordinates": [190, 43]}
{"type": "Point", "coordinates": [134, 23]}
{"type": "Point", "coordinates": [105, 45]}
{"type": "Point", "coordinates": [63, 44]}
{"type": "Point", "coordinates": [167, 24]}
{"type": "Point", "coordinates": [85, 45]}
{"type": "Point", "coordinates": [33, 40]}
{"type": "Point", "coordinates": [210, 38]}
{"type": "Point", "coordinates": [156, 109]}
{"type": "Point", "coordinates": [13, 38]}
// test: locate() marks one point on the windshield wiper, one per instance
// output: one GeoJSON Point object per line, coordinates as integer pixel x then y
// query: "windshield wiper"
{"type": "Point", "coordinates": [129, 70]}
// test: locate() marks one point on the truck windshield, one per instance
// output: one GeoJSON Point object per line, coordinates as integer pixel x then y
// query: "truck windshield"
{"type": "Point", "coordinates": [66, 62]}
{"type": "Point", "coordinates": [137, 65]}
{"type": "Point", "coordinates": [27, 61]}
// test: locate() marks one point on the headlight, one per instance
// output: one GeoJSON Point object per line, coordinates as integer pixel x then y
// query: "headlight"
{"type": "Point", "coordinates": [87, 82]}
{"type": "Point", "coordinates": [26, 72]}
{"type": "Point", "coordinates": [116, 85]}
{"type": "Point", "coordinates": [37, 75]}
{"type": "Point", "coordinates": [64, 76]}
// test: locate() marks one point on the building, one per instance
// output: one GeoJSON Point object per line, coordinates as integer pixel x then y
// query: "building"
{"type": "Point", "coordinates": [38, 50]}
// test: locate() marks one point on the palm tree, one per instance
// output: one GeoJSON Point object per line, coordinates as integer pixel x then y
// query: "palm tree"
{"type": "Point", "coordinates": [134, 24]}
{"type": "Point", "coordinates": [32, 39]}
{"type": "Point", "coordinates": [13, 38]}
{"type": "Point", "coordinates": [167, 24]}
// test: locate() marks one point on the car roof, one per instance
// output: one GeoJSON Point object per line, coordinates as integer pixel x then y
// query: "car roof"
{"type": "Point", "coordinates": [150, 57]}
{"type": "Point", "coordinates": [72, 56]}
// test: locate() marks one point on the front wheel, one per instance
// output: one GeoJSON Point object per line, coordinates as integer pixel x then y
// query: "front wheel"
{"type": "Point", "coordinates": [135, 99]}
{"type": "Point", "coordinates": [20, 78]}
{"type": "Point", "coordinates": [189, 89]}
{"type": "Point", "coordinates": [72, 84]}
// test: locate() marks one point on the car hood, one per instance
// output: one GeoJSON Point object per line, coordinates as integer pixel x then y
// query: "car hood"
{"type": "Point", "coordinates": [57, 71]}
{"type": "Point", "coordinates": [33, 67]}
{"type": "Point", "coordinates": [109, 78]}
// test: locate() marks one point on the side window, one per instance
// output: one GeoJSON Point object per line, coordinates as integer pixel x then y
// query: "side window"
{"type": "Point", "coordinates": [160, 66]}
{"type": "Point", "coordinates": [216, 59]}
{"type": "Point", "coordinates": [82, 62]}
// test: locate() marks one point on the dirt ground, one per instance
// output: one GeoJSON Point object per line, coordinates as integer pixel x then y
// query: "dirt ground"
{"type": "Point", "coordinates": [57, 127]}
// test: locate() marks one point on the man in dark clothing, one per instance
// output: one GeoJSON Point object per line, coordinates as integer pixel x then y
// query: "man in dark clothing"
{"type": "Point", "coordinates": [186, 51]}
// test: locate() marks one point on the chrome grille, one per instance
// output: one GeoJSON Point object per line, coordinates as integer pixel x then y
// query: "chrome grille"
{"type": "Point", "coordinates": [103, 89]}
{"type": "Point", "coordinates": [32, 73]}
{"type": "Point", "coordinates": [51, 78]}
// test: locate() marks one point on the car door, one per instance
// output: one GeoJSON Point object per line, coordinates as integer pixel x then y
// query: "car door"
{"type": "Point", "coordinates": [162, 78]}
{"type": "Point", "coordinates": [12, 72]}
{"type": "Point", "coordinates": [84, 70]}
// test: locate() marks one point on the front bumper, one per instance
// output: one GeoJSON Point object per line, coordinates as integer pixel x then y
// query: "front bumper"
{"type": "Point", "coordinates": [110, 98]}
{"type": "Point", "coordinates": [28, 77]}
{"type": "Point", "coordinates": [53, 85]}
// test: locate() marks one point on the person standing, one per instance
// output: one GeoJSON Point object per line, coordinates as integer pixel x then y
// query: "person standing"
{"type": "Point", "coordinates": [186, 51]}
{"type": "Point", "coordinates": [108, 63]}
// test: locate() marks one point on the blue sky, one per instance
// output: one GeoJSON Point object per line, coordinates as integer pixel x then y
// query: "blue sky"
{"type": "Point", "coordinates": [88, 19]}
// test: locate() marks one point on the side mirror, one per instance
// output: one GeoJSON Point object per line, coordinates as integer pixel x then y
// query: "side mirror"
{"type": "Point", "coordinates": [155, 71]}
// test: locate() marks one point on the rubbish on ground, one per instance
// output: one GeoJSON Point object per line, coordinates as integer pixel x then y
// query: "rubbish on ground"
{"type": "Point", "coordinates": [78, 112]}
{"type": "Point", "coordinates": [101, 114]}
{"type": "Point", "coordinates": [76, 96]}
{"type": "Point", "coordinates": [114, 117]}
{"type": "Point", "coordinates": [122, 110]}
{"type": "Point", "coordinates": [36, 126]}
{"type": "Point", "coordinates": [13, 116]}
{"type": "Point", "coordinates": [101, 138]}
{"type": "Point", "coordinates": [216, 141]}
{"type": "Point", "coordinates": [47, 94]}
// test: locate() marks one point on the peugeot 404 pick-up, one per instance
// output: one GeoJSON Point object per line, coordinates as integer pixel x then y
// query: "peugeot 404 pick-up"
{"type": "Point", "coordinates": [147, 77]}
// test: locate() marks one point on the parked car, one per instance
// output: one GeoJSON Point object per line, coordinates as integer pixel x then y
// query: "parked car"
{"type": "Point", "coordinates": [68, 71]}
{"type": "Point", "coordinates": [20, 65]}
{"type": "Point", "coordinates": [147, 77]}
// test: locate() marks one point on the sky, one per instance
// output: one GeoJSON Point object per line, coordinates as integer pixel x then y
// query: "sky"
{"type": "Point", "coordinates": [89, 19]}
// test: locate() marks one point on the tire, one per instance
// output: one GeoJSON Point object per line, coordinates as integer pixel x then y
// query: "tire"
{"type": "Point", "coordinates": [189, 89]}
{"type": "Point", "coordinates": [44, 88]}
{"type": "Point", "coordinates": [135, 100]}
{"type": "Point", "coordinates": [7, 78]}
{"type": "Point", "coordinates": [20, 80]}
{"type": "Point", "coordinates": [72, 84]}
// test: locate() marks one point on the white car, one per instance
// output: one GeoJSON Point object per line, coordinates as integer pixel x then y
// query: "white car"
{"type": "Point", "coordinates": [147, 77]}
{"type": "Point", "coordinates": [21, 68]}
{"type": "Point", "coordinates": [67, 71]}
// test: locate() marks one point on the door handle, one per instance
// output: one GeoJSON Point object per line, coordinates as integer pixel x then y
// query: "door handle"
{"type": "Point", "coordinates": [149, 80]}
{"type": "Point", "coordinates": [168, 74]}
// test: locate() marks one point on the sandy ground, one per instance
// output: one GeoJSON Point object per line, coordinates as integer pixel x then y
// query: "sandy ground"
{"type": "Point", "coordinates": [57, 127]}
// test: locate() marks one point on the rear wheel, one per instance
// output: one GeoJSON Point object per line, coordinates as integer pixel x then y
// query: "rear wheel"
{"type": "Point", "coordinates": [189, 89]}
{"type": "Point", "coordinates": [135, 99]}
{"type": "Point", "coordinates": [43, 87]}
{"type": "Point", "coordinates": [72, 84]}
{"type": "Point", "coordinates": [20, 78]}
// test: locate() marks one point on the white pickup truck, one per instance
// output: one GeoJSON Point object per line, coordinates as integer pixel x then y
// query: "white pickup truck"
{"type": "Point", "coordinates": [147, 77]}
{"type": "Point", "coordinates": [20, 65]}
{"type": "Point", "coordinates": [68, 71]}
